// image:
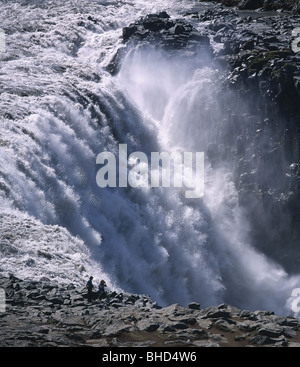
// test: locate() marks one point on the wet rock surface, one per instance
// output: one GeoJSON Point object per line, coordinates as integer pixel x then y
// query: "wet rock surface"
{"type": "Point", "coordinates": [47, 314]}
{"type": "Point", "coordinates": [264, 5]}
{"type": "Point", "coordinates": [177, 37]}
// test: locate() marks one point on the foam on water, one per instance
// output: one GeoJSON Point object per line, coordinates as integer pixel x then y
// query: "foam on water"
{"type": "Point", "coordinates": [60, 108]}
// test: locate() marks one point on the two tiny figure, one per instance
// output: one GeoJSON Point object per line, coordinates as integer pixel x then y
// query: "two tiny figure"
{"type": "Point", "coordinates": [101, 288]}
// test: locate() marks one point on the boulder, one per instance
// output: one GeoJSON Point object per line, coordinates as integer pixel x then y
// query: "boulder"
{"type": "Point", "coordinates": [260, 340]}
{"type": "Point", "coordinates": [271, 330]}
{"type": "Point", "coordinates": [222, 324]}
{"type": "Point", "coordinates": [55, 300]}
{"type": "Point", "coordinates": [204, 323]}
{"type": "Point", "coordinates": [216, 313]}
{"type": "Point", "coordinates": [248, 325]}
{"type": "Point", "coordinates": [194, 306]}
{"type": "Point", "coordinates": [167, 328]}
{"type": "Point", "coordinates": [180, 325]}
{"type": "Point", "coordinates": [148, 325]}
{"type": "Point", "coordinates": [248, 315]}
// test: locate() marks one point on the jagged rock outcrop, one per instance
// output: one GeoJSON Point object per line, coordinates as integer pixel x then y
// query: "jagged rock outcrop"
{"type": "Point", "coordinates": [287, 5]}
{"type": "Point", "coordinates": [44, 313]}
{"type": "Point", "coordinates": [176, 36]}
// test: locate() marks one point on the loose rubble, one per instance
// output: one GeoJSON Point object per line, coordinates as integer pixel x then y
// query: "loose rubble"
{"type": "Point", "coordinates": [48, 314]}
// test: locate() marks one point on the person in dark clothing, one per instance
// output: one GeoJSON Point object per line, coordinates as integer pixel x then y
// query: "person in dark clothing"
{"type": "Point", "coordinates": [101, 290]}
{"type": "Point", "coordinates": [89, 286]}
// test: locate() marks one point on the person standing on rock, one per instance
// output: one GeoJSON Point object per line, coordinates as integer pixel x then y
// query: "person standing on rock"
{"type": "Point", "coordinates": [101, 289]}
{"type": "Point", "coordinates": [90, 286]}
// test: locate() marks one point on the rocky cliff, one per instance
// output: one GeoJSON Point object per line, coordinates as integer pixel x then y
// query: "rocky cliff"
{"type": "Point", "coordinates": [266, 5]}
{"type": "Point", "coordinates": [47, 314]}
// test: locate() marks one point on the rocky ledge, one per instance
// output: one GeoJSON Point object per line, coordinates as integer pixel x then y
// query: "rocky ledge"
{"type": "Point", "coordinates": [47, 314]}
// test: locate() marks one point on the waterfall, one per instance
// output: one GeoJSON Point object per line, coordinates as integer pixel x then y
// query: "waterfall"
{"type": "Point", "coordinates": [61, 108]}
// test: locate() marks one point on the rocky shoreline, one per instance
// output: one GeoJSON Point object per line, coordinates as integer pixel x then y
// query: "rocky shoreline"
{"type": "Point", "coordinates": [48, 314]}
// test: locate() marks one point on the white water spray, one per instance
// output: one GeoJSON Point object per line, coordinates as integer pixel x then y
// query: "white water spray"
{"type": "Point", "coordinates": [61, 109]}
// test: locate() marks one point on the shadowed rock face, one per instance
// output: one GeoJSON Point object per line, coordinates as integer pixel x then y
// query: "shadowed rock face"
{"type": "Point", "coordinates": [257, 130]}
{"type": "Point", "coordinates": [290, 5]}
{"type": "Point", "coordinates": [46, 313]}
{"type": "Point", "coordinates": [264, 72]}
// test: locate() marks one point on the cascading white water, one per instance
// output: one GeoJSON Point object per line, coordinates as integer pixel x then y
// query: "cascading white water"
{"type": "Point", "coordinates": [60, 109]}
{"type": "Point", "coordinates": [189, 121]}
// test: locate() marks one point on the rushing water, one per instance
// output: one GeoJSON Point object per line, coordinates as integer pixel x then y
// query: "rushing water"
{"type": "Point", "coordinates": [60, 108]}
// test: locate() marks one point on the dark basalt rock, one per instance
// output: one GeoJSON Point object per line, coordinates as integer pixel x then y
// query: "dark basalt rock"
{"type": "Point", "coordinates": [250, 4]}
{"type": "Point", "coordinates": [159, 30]}
{"type": "Point", "coordinates": [269, 5]}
